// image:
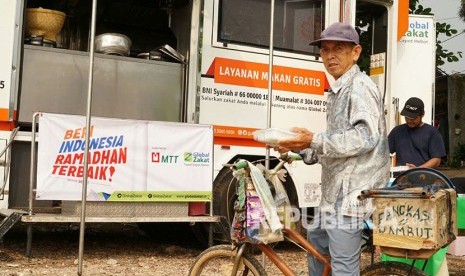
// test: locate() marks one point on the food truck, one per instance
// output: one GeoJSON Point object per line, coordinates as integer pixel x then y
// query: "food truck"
{"type": "Point", "coordinates": [174, 69]}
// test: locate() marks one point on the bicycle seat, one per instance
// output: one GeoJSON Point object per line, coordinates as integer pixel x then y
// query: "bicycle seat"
{"type": "Point", "coordinates": [419, 177]}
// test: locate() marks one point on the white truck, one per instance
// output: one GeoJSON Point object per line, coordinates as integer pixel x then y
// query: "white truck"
{"type": "Point", "coordinates": [224, 82]}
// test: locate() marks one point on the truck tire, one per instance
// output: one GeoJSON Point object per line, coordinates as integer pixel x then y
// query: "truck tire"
{"type": "Point", "coordinates": [224, 196]}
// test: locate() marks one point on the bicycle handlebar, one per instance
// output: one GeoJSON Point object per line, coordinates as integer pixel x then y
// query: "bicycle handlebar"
{"type": "Point", "coordinates": [284, 158]}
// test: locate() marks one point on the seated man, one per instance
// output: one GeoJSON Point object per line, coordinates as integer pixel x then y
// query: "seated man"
{"type": "Point", "coordinates": [416, 143]}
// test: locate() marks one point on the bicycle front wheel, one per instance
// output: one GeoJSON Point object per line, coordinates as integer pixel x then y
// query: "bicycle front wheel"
{"type": "Point", "coordinates": [391, 269]}
{"type": "Point", "coordinates": [219, 260]}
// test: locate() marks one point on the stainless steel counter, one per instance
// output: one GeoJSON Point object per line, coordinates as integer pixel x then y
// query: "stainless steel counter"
{"type": "Point", "coordinates": [55, 81]}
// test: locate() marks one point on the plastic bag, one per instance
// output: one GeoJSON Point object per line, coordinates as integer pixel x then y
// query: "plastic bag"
{"type": "Point", "coordinates": [283, 204]}
{"type": "Point", "coordinates": [239, 221]}
{"type": "Point", "coordinates": [281, 199]}
{"type": "Point", "coordinates": [263, 211]}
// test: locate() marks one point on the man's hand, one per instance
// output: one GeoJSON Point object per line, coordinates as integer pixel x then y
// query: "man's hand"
{"type": "Point", "coordinates": [281, 150]}
{"type": "Point", "coordinates": [300, 142]}
{"type": "Point", "coordinates": [410, 165]}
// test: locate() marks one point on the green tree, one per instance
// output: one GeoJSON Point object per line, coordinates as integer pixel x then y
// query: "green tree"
{"type": "Point", "coordinates": [462, 10]}
{"type": "Point", "coordinates": [442, 55]}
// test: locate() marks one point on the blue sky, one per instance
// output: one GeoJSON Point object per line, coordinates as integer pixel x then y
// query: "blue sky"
{"type": "Point", "coordinates": [446, 11]}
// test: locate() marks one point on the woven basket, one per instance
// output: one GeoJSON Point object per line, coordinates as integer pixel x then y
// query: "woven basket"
{"type": "Point", "coordinates": [44, 22]}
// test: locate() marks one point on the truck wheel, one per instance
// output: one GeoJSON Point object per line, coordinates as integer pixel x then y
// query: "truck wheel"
{"type": "Point", "coordinates": [224, 196]}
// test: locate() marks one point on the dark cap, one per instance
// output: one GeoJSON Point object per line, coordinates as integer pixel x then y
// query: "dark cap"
{"type": "Point", "coordinates": [413, 108]}
{"type": "Point", "coordinates": [338, 32]}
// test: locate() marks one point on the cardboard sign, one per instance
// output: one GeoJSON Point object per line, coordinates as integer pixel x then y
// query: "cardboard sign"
{"type": "Point", "coordinates": [415, 227]}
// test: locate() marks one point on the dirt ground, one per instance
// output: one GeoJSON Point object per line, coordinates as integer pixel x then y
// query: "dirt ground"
{"type": "Point", "coordinates": [123, 249]}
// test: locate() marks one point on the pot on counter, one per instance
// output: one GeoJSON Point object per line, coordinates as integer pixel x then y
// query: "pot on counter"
{"type": "Point", "coordinates": [113, 44]}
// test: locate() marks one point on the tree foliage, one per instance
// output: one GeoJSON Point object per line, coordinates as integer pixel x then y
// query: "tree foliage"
{"type": "Point", "coordinates": [462, 10]}
{"type": "Point", "coordinates": [442, 55]}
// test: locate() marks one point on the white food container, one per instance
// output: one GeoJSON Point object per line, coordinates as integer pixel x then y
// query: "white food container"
{"type": "Point", "coordinates": [400, 169]}
{"type": "Point", "coordinates": [272, 136]}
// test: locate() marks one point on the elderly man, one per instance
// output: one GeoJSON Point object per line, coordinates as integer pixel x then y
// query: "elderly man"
{"type": "Point", "coordinates": [353, 152]}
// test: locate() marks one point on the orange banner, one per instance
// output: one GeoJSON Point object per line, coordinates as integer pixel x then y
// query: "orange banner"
{"type": "Point", "coordinates": [235, 136]}
{"type": "Point", "coordinates": [233, 132]}
{"type": "Point", "coordinates": [5, 123]}
{"type": "Point", "coordinates": [253, 74]}
{"type": "Point", "coordinates": [402, 18]}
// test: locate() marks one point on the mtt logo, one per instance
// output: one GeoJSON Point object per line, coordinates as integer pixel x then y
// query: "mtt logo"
{"type": "Point", "coordinates": [164, 158]}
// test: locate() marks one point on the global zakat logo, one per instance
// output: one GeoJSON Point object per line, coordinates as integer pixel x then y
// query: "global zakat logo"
{"type": "Point", "coordinates": [188, 158]}
{"type": "Point", "coordinates": [418, 29]}
{"type": "Point", "coordinates": [196, 158]}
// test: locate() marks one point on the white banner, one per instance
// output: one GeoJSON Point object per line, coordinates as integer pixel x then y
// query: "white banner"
{"type": "Point", "coordinates": [128, 160]}
{"type": "Point", "coordinates": [417, 46]}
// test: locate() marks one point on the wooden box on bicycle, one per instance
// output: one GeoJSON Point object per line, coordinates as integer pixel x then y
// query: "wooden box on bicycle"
{"type": "Point", "coordinates": [415, 227]}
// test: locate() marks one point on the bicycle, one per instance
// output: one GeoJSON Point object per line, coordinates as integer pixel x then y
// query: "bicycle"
{"type": "Point", "coordinates": [235, 258]}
